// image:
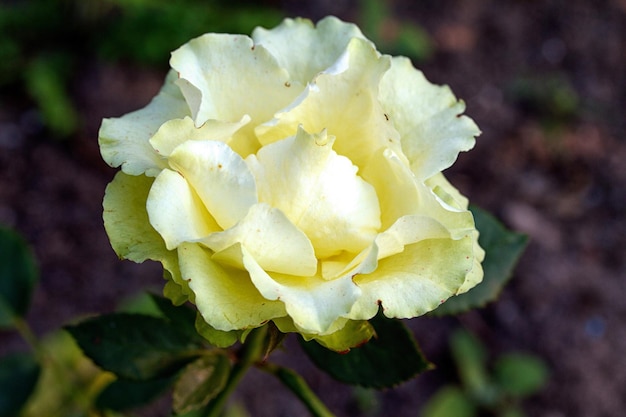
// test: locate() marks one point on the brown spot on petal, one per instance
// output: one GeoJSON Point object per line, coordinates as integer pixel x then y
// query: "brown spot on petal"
{"type": "Point", "coordinates": [287, 84]}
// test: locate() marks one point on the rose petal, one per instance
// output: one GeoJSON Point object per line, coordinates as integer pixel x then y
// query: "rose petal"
{"type": "Point", "coordinates": [269, 236]}
{"type": "Point", "coordinates": [431, 218]}
{"type": "Point", "coordinates": [129, 230]}
{"type": "Point", "coordinates": [176, 211]}
{"type": "Point", "coordinates": [225, 77]}
{"type": "Point", "coordinates": [304, 49]}
{"type": "Point", "coordinates": [219, 176]}
{"type": "Point", "coordinates": [415, 281]}
{"type": "Point", "coordinates": [396, 189]}
{"type": "Point", "coordinates": [427, 117]}
{"type": "Point", "coordinates": [318, 191]}
{"type": "Point", "coordinates": [225, 297]}
{"type": "Point", "coordinates": [177, 131]}
{"type": "Point", "coordinates": [342, 100]}
{"type": "Point", "coordinates": [313, 303]}
{"type": "Point", "coordinates": [124, 141]}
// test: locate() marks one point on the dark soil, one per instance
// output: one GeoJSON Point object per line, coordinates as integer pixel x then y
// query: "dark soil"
{"type": "Point", "coordinates": [550, 168]}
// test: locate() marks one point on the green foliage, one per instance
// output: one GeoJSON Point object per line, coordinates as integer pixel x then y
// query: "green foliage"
{"type": "Point", "coordinates": [123, 394]}
{"type": "Point", "coordinates": [44, 42]}
{"type": "Point", "coordinates": [134, 347]}
{"type": "Point", "coordinates": [520, 374]}
{"type": "Point", "coordinates": [389, 358]}
{"type": "Point", "coordinates": [147, 31]}
{"type": "Point", "coordinates": [497, 389]}
{"type": "Point", "coordinates": [548, 97]}
{"type": "Point", "coordinates": [46, 83]}
{"type": "Point", "coordinates": [503, 249]}
{"type": "Point", "coordinates": [18, 376]}
{"type": "Point", "coordinates": [449, 401]}
{"type": "Point", "coordinates": [394, 36]}
{"type": "Point", "coordinates": [18, 276]}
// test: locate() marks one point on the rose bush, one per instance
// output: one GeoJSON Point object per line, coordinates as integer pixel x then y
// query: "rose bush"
{"type": "Point", "coordinates": [294, 177]}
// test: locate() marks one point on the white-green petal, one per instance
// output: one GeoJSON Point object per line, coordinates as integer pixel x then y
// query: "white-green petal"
{"type": "Point", "coordinates": [415, 281]}
{"type": "Point", "coordinates": [304, 49]}
{"type": "Point", "coordinates": [176, 211]}
{"type": "Point", "coordinates": [129, 230]}
{"type": "Point", "coordinates": [475, 276]}
{"type": "Point", "coordinates": [313, 303]}
{"type": "Point", "coordinates": [428, 118]}
{"type": "Point", "coordinates": [124, 141]}
{"type": "Point", "coordinates": [219, 176]}
{"type": "Point", "coordinates": [319, 191]}
{"type": "Point", "coordinates": [177, 131]}
{"type": "Point", "coordinates": [225, 297]}
{"type": "Point", "coordinates": [269, 236]}
{"type": "Point", "coordinates": [344, 101]}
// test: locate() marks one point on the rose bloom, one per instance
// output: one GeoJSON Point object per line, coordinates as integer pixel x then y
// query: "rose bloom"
{"type": "Point", "coordinates": [294, 177]}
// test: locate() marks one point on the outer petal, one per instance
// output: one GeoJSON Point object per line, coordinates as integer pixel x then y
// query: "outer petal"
{"type": "Point", "coordinates": [452, 197]}
{"type": "Point", "coordinates": [319, 192]}
{"type": "Point", "coordinates": [313, 303]}
{"type": "Point", "coordinates": [176, 211]}
{"type": "Point", "coordinates": [269, 236]}
{"type": "Point", "coordinates": [219, 176]}
{"type": "Point", "coordinates": [416, 280]}
{"type": "Point", "coordinates": [303, 49]}
{"type": "Point", "coordinates": [343, 100]}
{"type": "Point", "coordinates": [349, 333]}
{"type": "Point", "coordinates": [225, 297]}
{"type": "Point", "coordinates": [177, 131]}
{"type": "Point", "coordinates": [224, 77]}
{"type": "Point", "coordinates": [131, 235]}
{"type": "Point", "coordinates": [427, 117]}
{"type": "Point", "coordinates": [124, 141]}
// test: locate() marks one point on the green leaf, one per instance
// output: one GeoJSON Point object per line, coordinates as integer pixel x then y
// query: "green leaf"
{"type": "Point", "coordinates": [386, 360]}
{"type": "Point", "coordinates": [200, 382]}
{"type": "Point", "coordinates": [134, 346]}
{"type": "Point", "coordinates": [520, 374]}
{"type": "Point", "coordinates": [18, 376]}
{"type": "Point", "coordinates": [503, 249]}
{"type": "Point", "coordinates": [18, 276]}
{"type": "Point", "coordinates": [181, 316]}
{"type": "Point", "coordinates": [470, 357]}
{"type": "Point", "coordinates": [122, 394]}
{"type": "Point", "coordinates": [447, 402]}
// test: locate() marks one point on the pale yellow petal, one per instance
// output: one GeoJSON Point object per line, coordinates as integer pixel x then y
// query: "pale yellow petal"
{"type": "Point", "coordinates": [176, 211]}
{"type": "Point", "coordinates": [344, 101]}
{"type": "Point", "coordinates": [177, 131]}
{"type": "Point", "coordinates": [428, 118]}
{"type": "Point", "coordinates": [219, 176]}
{"type": "Point", "coordinates": [304, 49]}
{"type": "Point", "coordinates": [225, 297]}
{"type": "Point", "coordinates": [313, 303]}
{"type": "Point", "coordinates": [124, 141]}
{"type": "Point", "coordinates": [415, 281]}
{"type": "Point", "coordinates": [275, 243]}
{"type": "Point", "coordinates": [224, 77]}
{"type": "Point", "coordinates": [319, 191]}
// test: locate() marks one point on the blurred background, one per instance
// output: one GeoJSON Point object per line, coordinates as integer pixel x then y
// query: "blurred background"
{"type": "Point", "coordinates": [544, 80]}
